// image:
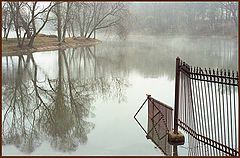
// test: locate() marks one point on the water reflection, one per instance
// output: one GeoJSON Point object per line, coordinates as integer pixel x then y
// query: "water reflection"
{"type": "Point", "coordinates": [37, 107]}
{"type": "Point", "coordinates": [18, 94]}
{"type": "Point", "coordinates": [154, 56]}
{"type": "Point", "coordinates": [53, 100]}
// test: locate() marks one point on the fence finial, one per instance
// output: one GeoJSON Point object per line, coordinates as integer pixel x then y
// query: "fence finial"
{"type": "Point", "coordinates": [148, 96]}
{"type": "Point", "coordinates": [229, 73]}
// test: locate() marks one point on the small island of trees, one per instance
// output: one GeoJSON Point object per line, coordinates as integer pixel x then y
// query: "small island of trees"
{"type": "Point", "coordinates": [79, 20]}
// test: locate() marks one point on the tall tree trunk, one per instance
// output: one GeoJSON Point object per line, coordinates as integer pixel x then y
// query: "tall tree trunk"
{"type": "Point", "coordinates": [66, 21]}
{"type": "Point", "coordinates": [59, 25]}
{"type": "Point", "coordinates": [8, 30]}
{"type": "Point", "coordinates": [72, 29]}
{"type": "Point", "coordinates": [30, 44]}
{"type": "Point", "coordinates": [84, 21]}
{"type": "Point", "coordinates": [25, 27]}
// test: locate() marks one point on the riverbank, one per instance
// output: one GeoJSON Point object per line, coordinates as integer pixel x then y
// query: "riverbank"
{"type": "Point", "coordinates": [45, 43]}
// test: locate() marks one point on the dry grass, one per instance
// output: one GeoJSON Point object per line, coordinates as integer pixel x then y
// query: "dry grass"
{"type": "Point", "coordinates": [45, 41]}
{"type": "Point", "coordinates": [44, 44]}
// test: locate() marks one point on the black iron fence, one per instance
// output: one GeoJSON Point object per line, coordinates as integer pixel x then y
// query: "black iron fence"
{"type": "Point", "coordinates": [206, 106]}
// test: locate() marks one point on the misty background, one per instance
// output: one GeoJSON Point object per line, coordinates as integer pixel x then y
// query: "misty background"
{"type": "Point", "coordinates": [92, 93]}
{"type": "Point", "coordinates": [147, 18]}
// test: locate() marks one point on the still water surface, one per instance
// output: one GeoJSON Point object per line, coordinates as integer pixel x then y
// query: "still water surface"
{"type": "Point", "coordinates": [82, 101]}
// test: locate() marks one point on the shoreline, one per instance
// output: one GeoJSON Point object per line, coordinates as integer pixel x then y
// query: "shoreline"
{"type": "Point", "coordinates": [46, 44]}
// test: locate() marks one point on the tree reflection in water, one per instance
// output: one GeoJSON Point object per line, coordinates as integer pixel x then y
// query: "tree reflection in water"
{"type": "Point", "coordinates": [57, 109]}
{"type": "Point", "coordinates": [37, 106]}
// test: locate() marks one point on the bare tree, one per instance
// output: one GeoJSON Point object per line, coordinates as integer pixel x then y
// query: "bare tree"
{"type": "Point", "coordinates": [62, 12]}
{"type": "Point", "coordinates": [25, 17]}
{"type": "Point", "coordinates": [108, 15]}
{"type": "Point", "coordinates": [87, 17]}
{"type": "Point", "coordinates": [35, 15]}
{"type": "Point", "coordinates": [232, 9]}
{"type": "Point", "coordinates": [15, 10]}
{"type": "Point", "coordinates": [6, 20]}
{"type": "Point", "coordinates": [93, 16]}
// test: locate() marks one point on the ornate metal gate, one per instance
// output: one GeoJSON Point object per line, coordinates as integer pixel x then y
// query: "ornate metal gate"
{"type": "Point", "coordinates": [206, 106]}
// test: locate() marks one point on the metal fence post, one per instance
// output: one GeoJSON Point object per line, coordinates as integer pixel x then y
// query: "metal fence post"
{"type": "Point", "coordinates": [175, 137]}
{"type": "Point", "coordinates": [176, 105]}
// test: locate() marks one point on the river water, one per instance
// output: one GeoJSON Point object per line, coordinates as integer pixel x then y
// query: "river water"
{"type": "Point", "coordinates": [82, 101]}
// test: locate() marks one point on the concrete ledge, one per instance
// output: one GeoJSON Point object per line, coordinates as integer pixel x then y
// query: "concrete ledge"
{"type": "Point", "coordinates": [176, 139]}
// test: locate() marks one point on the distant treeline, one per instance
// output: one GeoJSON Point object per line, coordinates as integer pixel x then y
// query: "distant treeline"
{"type": "Point", "coordinates": [85, 19]}
{"type": "Point", "coordinates": [194, 18]}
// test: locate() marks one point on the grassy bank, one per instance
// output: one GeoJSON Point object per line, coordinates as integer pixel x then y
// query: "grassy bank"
{"type": "Point", "coordinates": [43, 43]}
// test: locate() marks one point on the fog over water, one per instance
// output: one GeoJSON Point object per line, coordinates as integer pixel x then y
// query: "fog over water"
{"type": "Point", "coordinates": [81, 101]}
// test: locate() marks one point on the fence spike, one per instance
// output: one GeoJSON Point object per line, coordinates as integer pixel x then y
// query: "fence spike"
{"type": "Point", "coordinates": [201, 72]}
{"type": "Point", "coordinates": [221, 72]}
{"type": "Point", "coordinates": [229, 73]}
{"type": "Point", "coordinates": [199, 76]}
{"type": "Point", "coordinates": [206, 73]}
{"type": "Point", "coordinates": [214, 74]}
{"type": "Point", "coordinates": [217, 74]}
{"type": "Point", "coordinates": [209, 72]}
